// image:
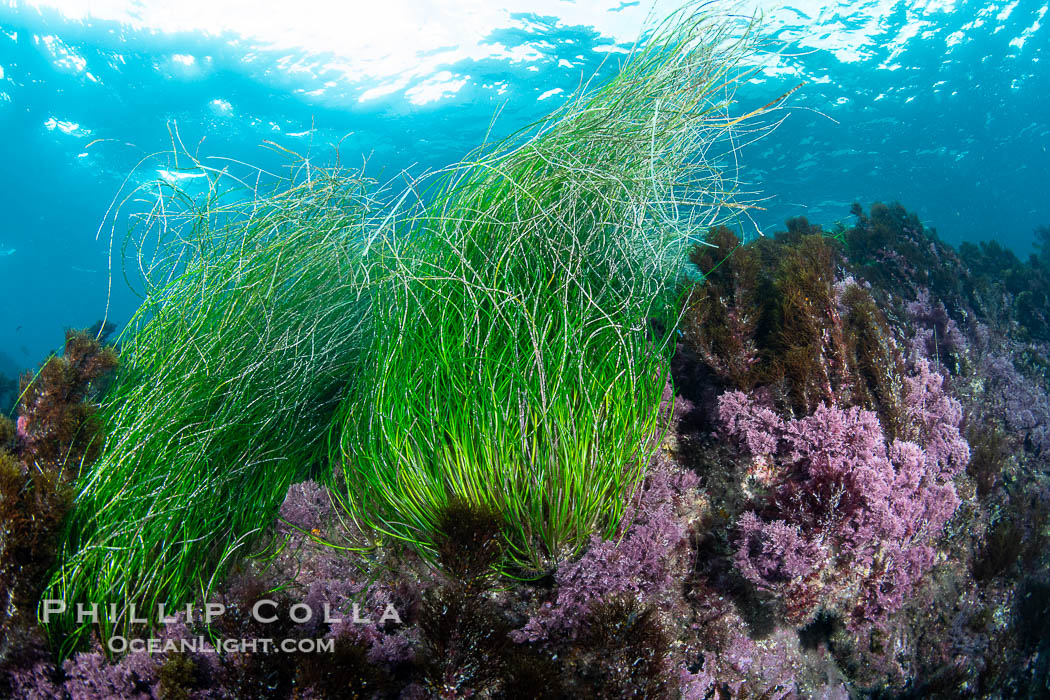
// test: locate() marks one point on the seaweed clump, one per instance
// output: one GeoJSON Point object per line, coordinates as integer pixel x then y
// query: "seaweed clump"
{"type": "Point", "coordinates": [465, 636]}
{"type": "Point", "coordinates": [988, 457]}
{"type": "Point", "coordinates": [995, 269]}
{"type": "Point", "coordinates": [623, 653]}
{"type": "Point", "coordinates": [774, 316]}
{"type": "Point", "coordinates": [57, 425]}
{"type": "Point", "coordinates": [893, 249]}
{"type": "Point", "coordinates": [524, 337]}
{"type": "Point", "coordinates": [251, 326]}
{"type": "Point", "coordinates": [56, 435]}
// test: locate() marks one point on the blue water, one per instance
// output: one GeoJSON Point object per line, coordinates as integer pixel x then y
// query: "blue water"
{"type": "Point", "coordinates": [944, 106]}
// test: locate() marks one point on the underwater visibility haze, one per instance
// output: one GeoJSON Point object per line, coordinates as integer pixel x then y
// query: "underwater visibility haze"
{"type": "Point", "coordinates": [525, 349]}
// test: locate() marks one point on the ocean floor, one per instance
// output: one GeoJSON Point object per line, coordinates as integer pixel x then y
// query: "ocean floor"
{"type": "Point", "coordinates": [850, 497]}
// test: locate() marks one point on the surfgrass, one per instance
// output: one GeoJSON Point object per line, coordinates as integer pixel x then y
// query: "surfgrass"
{"type": "Point", "coordinates": [253, 321]}
{"type": "Point", "coordinates": [502, 337]}
{"type": "Point", "coordinates": [523, 338]}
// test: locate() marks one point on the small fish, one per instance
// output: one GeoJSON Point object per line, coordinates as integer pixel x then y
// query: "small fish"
{"type": "Point", "coordinates": [5, 253]}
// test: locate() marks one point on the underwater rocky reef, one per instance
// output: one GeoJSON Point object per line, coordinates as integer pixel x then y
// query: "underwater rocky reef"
{"type": "Point", "coordinates": [851, 499]}
{"type": "Point", "coordinates": [525, 438]}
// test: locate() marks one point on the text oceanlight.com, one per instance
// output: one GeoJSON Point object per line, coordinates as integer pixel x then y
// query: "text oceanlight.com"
{"type": "Point", "coordinates": [264, 611]}
{"type": "Point", "coordinates": [202, 645]}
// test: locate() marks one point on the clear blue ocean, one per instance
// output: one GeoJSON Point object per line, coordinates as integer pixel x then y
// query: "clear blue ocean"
{"type": "Point", "coordinates": [942, 105]}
